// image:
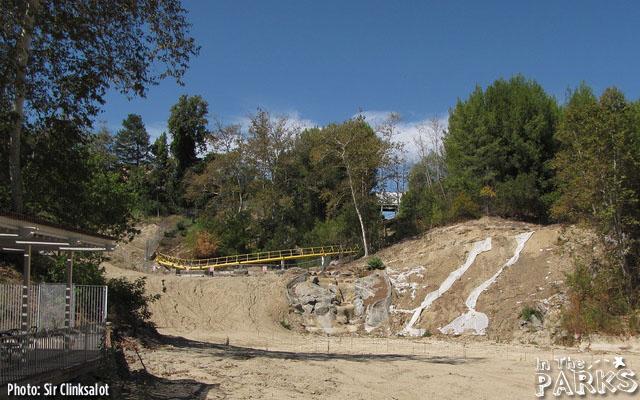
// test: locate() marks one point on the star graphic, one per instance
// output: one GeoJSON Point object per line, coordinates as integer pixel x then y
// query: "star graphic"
{"type": "Point", "coordinates": [619, 362]}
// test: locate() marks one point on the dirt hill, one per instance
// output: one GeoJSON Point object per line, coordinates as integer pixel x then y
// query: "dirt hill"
{"type": "Point", "coordinates": [519, 265]}
{"type": "Point", "coordinates": [432, 278]}
{"type": "Point", "coordinates": [242, 336]}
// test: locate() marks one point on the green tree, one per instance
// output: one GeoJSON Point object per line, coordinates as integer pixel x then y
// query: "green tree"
{"type": "Point", "coordinates": [66, 165]}
{"type": "Point", "coordinates": [504, 138]}
{"type": "Point", "coordinates": [426, 203]}
{"type": "Point", "coordinates": [162, 173]}
{"type": "Point", "coordinates": [360, 153]}
{"type": "Point", "coordinates": [58, 58]}
{"type": "Point", "coordinates": [392, 172]}
{"type": "Point", "coordinates": [188, 128]}
{"type": "Point", "coordinates": [132, 141]}
{"type": "Point", "coordinates": [598, 173]}
{"type": "Point", "coordinates": [101, 146]}
{"type": "Point", "coordinates": [250, 174]}
{"type": "Point", "coordinates": [423, 206]}
{"type": "Point", "coordinates": [269, 143]}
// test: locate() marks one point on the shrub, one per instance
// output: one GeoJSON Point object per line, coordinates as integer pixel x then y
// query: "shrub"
{"type": "Point", "coordinates": [528, 312]}
{"type": "Point", "coordinates": [596, 303]}
{"type": "Point", "coordinates": [464, 207]}
{"type": "Point", "coordinates": [183, 226]}
{"type": "Point", "coordinates": [86, 270]}
{"type": "Point", "coordinates": [375, 263]}
{"type": "Point", "coordinates": [202, 244]}
{"type": "Point", "coordinates": [128, 303]}
{"type": "Point", "coordinates": [285, 325]}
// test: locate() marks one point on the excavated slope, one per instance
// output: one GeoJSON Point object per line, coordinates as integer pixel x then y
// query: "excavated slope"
{"type": "Point", "coordinates": [432, 263]}
{"type": "Point", "coordinates": [510, 265]}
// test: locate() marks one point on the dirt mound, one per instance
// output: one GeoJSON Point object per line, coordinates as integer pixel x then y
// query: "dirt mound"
{"type": "Point", "coordinates": [503, 266]}
{"type": "Point", "coordinates": [223, 305]}
{"type": "Point", "coordinates": [223, 336]}
{"type": "Point", "coordinates": [435, 275]}
{"type": "Point", "coordinates": [134, 255]}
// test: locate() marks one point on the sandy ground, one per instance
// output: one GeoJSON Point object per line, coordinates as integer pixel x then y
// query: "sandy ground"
{"type": "Point", "coordinates": [281, 365]}
{"type": "Point", "coordinates": [222, 339]}
{"type": "Point", "coordinates": [226, 337]}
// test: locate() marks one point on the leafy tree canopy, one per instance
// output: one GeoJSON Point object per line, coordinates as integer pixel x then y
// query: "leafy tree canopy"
{"type": "Point", "coordinates": [58, 58]}
{"type": "Point", "coordinates": [598, 170]}
{"type": "Point", "coordinates": [188, 128]}
{"type": "Point", "coordinates": [503, 138]}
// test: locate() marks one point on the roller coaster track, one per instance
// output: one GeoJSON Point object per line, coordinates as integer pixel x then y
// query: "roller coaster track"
{"type": "Point", "coordinates": [253, 258]}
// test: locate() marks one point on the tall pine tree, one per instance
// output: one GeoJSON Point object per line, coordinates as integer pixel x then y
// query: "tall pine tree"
{"type": "Point", "coordinates": [502, 139]}
{"type": "Point", "coordinates": [132, 141]}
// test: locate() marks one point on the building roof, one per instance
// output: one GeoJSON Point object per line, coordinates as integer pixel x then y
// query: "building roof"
{"type": "Point", "coordinates": [18, 231]}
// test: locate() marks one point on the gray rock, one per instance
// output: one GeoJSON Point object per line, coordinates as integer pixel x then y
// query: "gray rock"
{"type": "Point", "coordinates": [358, 307]}
{"type": "Point", "coordinates": [241, 271]}
{"type": "Point", "coordinates": [378, 312]}
{"type": "Point", "coordinates": [536, 322]}
{"type": "Point", "coordinates": [344, 312]}
{"type": "Point", "coordinates": [321, 308]}
{"type": "Point", "coordinates": [310, 293]}
{"type": "Point", "coordinates": [290, 286]}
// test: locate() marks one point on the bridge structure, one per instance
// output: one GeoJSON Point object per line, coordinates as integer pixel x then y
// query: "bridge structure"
{"type": "Point", "coordinates": [254, 258]}
{"type": "Point", "coordinates": [389, 201]}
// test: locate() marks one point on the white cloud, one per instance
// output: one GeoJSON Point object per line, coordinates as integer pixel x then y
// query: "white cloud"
{"type": "Point", "coordinates": [294, 120]}
{"type": "Point", "coordinates": [155, 129]}
{"type": "Point", "coordinates": [408, 131]}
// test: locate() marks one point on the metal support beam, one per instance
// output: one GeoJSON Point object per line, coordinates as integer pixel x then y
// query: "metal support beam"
{"type": "Point", "coordinates": [68, 296]}
{"type": "Point", "coordinates": [26, 282]}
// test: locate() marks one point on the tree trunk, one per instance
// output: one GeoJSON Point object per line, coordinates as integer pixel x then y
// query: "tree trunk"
{"type": "Point", "coordinates": [22, 57]}
{"type": "Point", "coordinates": [355, 204]}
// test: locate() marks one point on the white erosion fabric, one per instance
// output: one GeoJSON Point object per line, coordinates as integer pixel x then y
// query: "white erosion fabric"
{"type": "Point", "coordinates": [478, 247]}
{"type": "Point", "coordinates": [476, 320]}
{"type": "Point", "coordinates": [399, 280]}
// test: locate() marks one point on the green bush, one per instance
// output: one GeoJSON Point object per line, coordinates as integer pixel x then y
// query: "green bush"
{"type": "Point", "coordinates": [328, 232]}
{"type": "Point", "coordinates": [86, 270]}
{"type": "Point", "coordinates": [464, 207]}
{"type": "Point", "coordinates": [285, 325]}
{"type": "Point", "coordinates": [128, 303]}
{"type": "Point", "coordinates": [528, 312]}
{"type": "Point", "coordinates": [596, 302]}
{"type": "Point", "coordinates": [375, 263]}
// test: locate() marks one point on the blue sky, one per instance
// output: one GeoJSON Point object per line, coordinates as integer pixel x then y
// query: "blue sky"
{"type": "Point", "coordinates": [322, 61]}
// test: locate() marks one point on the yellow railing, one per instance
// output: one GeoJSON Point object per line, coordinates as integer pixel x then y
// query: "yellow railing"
{"type": "Point", "coordinates": [253, 258]}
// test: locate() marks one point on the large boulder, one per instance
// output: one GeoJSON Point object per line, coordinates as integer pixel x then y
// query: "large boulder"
{"type": "Point", "coordinates": [333, 305]}
{"type": "Point", "coordinates": [311, 293]}
{"type": "Point", "coordinates": [372, 299]}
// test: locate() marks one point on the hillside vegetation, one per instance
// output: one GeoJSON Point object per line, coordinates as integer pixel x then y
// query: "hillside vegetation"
{"type": "Point", "coordinates": [509, 151]}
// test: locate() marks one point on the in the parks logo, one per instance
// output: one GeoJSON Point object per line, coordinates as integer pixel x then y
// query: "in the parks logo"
{"type": "Point", "coordinates": [575, 377]}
